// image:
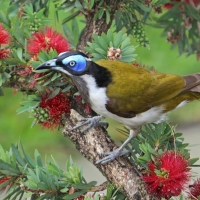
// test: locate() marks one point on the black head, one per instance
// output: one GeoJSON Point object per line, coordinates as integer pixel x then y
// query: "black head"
{"type": "Point", "coordinates": [71, 63]}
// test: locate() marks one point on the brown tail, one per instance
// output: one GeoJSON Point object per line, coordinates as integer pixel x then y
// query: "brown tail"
{"type": "Point", "coordinates": [192, 83]}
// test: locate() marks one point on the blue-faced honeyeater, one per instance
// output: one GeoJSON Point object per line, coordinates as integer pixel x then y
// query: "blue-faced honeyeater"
{"type": "Point", "coordinates": [128, 94]}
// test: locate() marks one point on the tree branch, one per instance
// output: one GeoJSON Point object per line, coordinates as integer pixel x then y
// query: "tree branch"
{"type": "Point", "coordinates": [92, 144]}
{"type": "Point", "coordinates": [97, 26]}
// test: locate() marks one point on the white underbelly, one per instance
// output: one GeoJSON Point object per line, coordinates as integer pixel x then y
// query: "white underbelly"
{"type": "Point", "coordinates": [154, 114]}
{"type": "Point", "coordinates": [98, 100]}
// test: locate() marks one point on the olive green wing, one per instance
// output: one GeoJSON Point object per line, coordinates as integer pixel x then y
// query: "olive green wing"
{"type": "Point", "coordinates": [134, 89]}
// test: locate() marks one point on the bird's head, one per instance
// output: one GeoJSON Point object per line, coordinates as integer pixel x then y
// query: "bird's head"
{"type": "Point", "coordinates": [72, 63]}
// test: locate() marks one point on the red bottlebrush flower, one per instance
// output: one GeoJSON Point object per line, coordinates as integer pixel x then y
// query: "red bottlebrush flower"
{"type": "Point", "coordinates": [4, 35]}
{"type": "Point", "coordinates": [45, 40]}
{"type": "Point", "coordinates": [168, 176]}
{"type": "Point", "coordinates": [3, 180]}
{"type": "Point", "coordinates": [55, 108]}
{"type": "Point", "coordinates": [4, 42]}
{"type": "Point", "coordinates": [195, 190]}
{"type": "Point", "coordinates": [4, 53]}
{"type": "Point", "coordinates": [25, 70]}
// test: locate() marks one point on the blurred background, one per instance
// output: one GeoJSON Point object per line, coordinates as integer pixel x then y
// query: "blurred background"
{"type": "Point", "coordinates": [15, 127]}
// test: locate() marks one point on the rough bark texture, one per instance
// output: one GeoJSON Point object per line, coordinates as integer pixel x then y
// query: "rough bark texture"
{"type": "Point", "coordinates": [96, 141]}
{"type": "Point", "coordinates": [97, 26]}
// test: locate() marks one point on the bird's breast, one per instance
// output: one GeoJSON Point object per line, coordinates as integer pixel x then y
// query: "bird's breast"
{"type": "Point", "coordinates": [98, 99]}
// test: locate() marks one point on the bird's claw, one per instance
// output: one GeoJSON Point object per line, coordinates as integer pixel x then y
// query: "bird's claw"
{"type": "Point", "coordinates": [110, 156]}
{"type": "Point", "coordinates": [90, 122]}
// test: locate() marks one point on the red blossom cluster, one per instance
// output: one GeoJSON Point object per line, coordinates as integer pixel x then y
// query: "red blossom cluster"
{"type": "Point", "coordinates": [195, 190]}
{"type": "Point", "coordinates": [43, 40]}
{"type": "Point", "coordinates": [25, 70]}
{"type": "Point", "coordinates": [56, 107]}
{"type": "Point", "coordinates": [47, 39]}
{"type": "Point", "coordinates": [167, 176]}
{"type": "Point", "coordinates": [5, 39]}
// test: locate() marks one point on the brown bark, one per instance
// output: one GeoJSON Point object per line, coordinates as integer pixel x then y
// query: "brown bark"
{"type": "Point", "coordinates": [97, 26]}
{"type": "Point", "coordinates": [95, 141]}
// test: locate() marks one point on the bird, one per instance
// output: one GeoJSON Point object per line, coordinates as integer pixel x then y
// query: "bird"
{"type": "Point", "coordinates": [131, 95]}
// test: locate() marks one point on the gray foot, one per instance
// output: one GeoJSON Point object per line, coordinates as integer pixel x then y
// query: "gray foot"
{"type": "Point", "coordinates": [110, 156]}
{"type": "Point", "coordinates": [91, 122]}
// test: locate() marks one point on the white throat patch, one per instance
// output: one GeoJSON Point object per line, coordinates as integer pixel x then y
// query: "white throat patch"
{"type": "Point", "coordinates": [97, 95]}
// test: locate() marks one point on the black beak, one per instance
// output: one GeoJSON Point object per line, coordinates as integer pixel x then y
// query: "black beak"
{"type": "Point", "coordinates": [51, 64]}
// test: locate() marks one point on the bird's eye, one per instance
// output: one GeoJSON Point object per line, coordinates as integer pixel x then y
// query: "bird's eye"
{"type": "Point", "coordinates": [72, 63]}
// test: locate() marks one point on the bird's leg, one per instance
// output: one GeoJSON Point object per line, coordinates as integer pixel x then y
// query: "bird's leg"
{"type": "Point", "coordinates": [91, 122]}
{"type": "Point", "coordinates": [110, 156]}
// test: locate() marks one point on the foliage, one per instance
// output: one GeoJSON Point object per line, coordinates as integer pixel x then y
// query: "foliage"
{"type": "Point", "coordinates": [111, 46]}
{"type": "Point", "coordinates": [155, 139]}
{"type": "Point", "coordinates": [50, 95]}
{"type": "Point", "coordinates": [23, 176]}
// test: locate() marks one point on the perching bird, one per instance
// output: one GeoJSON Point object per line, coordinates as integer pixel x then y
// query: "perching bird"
{"type": "Point", "coordinates": [128, 94]}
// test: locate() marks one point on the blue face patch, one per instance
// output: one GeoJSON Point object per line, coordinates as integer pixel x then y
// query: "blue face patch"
{"type": "Point", "coordinates": [76, 63]}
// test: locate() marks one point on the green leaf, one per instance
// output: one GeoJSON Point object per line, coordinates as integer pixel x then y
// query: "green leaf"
{"type": "Point", "coordinates": [107, 16]}
{"type": "Point", "coordinates": [129, 58]}
{"type": "Point", "coordinates": [143, 6]}
{"type": "Point", "coordinates": [64, 190]}
{"type": "Point", "coordinates": [11, 193]}
{"type": "Point", "coordinates": [71, 17]}
{"type": "Point", "coordinates": [78, 5]}
{"type": "Point", "coordinates": [53, 169]}
{"type": "Point", "coordinates": [97, 55]}
{"type": "Point", "coordinates": [42, 186]}
{"type": "Point", "coordinates": [54, 93]}
{"type": "Point", "coordinates": [125, 43]}
{"type": "Point", "coordinates": [47, 83]}
{"type": "Point", "coordinates": [83, 186]}
{"type": "Point", "coordinates": [6, 75]}
{"type": "Point", "coordinates": [23, 109]}
{"type": "Point", "coordinates": [99, 14]}
{"type": "Point", "coordinates": [38, 158]}
{"type": "Point", "coordinates": [18, 156]}
{"type": "Point", "coordinates": [103, 43]}
{"type": "Point", "coordinates": [55, 76]}
{"type": "Point", "coordinates": [69, 7]}
{"type": "Point", "coordinates": [110, 35]}
{"type": "Point", "coordinates": [32, 176]}
{"type": "Point", "coordinates": [117, 39]}
{"type": "Point", "coordinates": [66, 88]}
{"type": "Point", "coordinates": [4, 18]}
{"type": "Point", "coordinates": [128, 50]}
{"type": "Point", "coordinates": [193, 160]}
{"type": "Point", "coordinates": [8, 167]}
{"type": "Point", "coordinates": [101, 51]}
{"type": "Point", "coordinates": [19, 53]}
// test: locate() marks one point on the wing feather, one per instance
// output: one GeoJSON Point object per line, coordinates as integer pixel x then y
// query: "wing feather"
{"type": "Point", "coordinates": [134, 89]}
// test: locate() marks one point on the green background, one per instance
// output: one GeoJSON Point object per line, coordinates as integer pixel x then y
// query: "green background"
{"type": "Point", "coordinates": [15, 127]}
